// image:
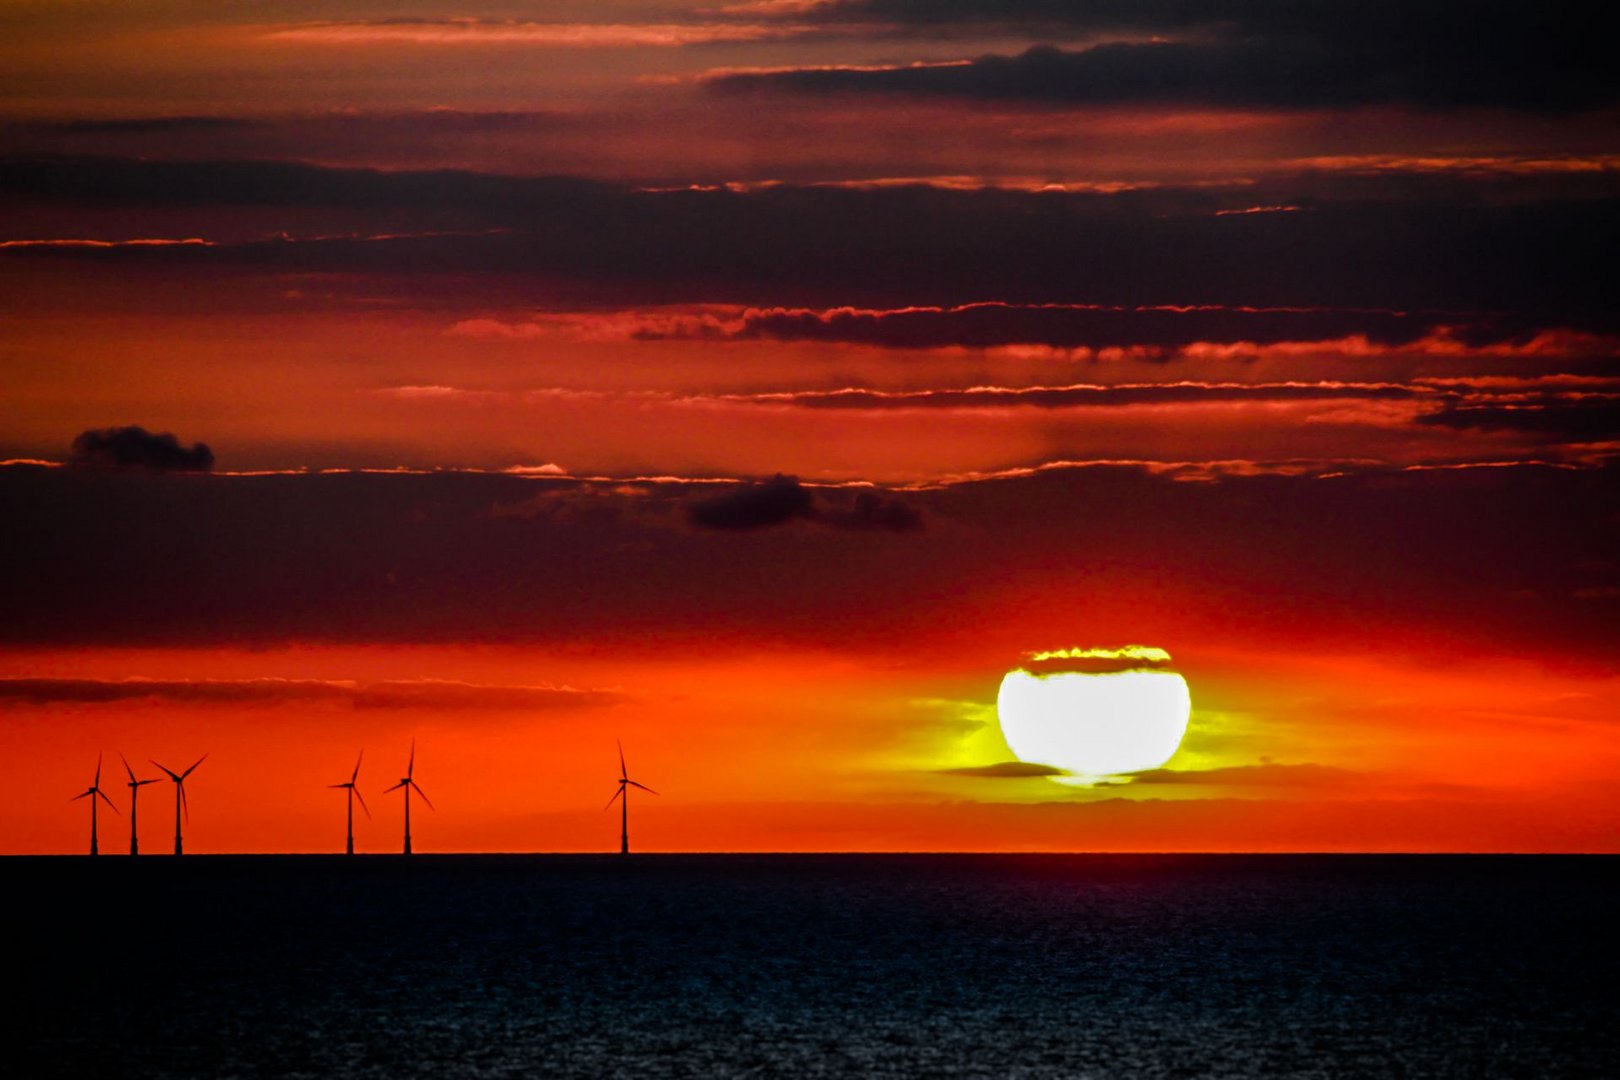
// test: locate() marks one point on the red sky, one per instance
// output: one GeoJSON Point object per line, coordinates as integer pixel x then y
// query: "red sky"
{"type": "Point", "coordinates": [757, 384]}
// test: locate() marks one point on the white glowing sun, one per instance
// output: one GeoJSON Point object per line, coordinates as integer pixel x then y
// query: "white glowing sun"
{"type": "Point", "coordinates": [1095, 712]}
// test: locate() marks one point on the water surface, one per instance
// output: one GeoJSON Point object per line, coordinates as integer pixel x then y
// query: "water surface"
{"type": "Point", "coordinates": [788, 965]}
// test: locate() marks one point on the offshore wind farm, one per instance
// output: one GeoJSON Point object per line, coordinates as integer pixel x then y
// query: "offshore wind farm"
{"type": "Point", "coordinates": [350, 787]}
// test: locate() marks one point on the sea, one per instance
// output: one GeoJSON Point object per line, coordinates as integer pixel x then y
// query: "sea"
{"type": "Point", "coordinates": [1104, 966]}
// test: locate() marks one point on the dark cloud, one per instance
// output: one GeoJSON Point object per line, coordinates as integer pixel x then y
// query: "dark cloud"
{"type": "Point", "coordinates": [782, 499]}
{"type": "Point", "coordinates": [1356, 262]}
{"type": "Point", "coordinates": [136, 448]}
{"type": "Point", "coordinates": [1264, 775]}
{"type": "Point", "coordinates": [146, 125]}
{"type": "Point", "coordinates": [776, 501]}
{"type": "Point", "coordinates": [871, 511]}
{"type": "Point", "coordinates": [990, 324]}
{"type": "Point", "coordinates": [276, 136]}
{"type": "Point", "coordinates": [1098, 662]}
{"type": "Point", "coordinates": [1060, 397]}
{"type": "Point", "coordinates": [132, 182]}
{"type": "Point", "coordinates": [1005, 770]}
{"type": "Point", "coordinates": [1597, 418]}
{"type": "Point", "coordinates": [1274, 74]}
{"type": "Point", "coordinates": [401, 694]}
{"type": "Point", "coordinates": [1439, 561]}
{"type": "Point", "coordinates": [1450, 54]}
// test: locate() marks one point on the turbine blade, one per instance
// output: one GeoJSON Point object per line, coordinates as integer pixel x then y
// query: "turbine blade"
{"type": "Point", "coordinates": [76, 798]}
{"type": "Point", "coordinates": [194, 764]}
{"type": "Point", "coordinates": [422, 793]}
{"type": "Point", "coordinates": [613, 800]}
{"type": "Point", "coordinates": [127, 769]}
{"type": "Point", "coordinates": [362, 799]}
{"type": "Point", "coordinates": [643, 787]}
{"type": "Point", "coordinates": [143, 783]}
{"type": "Point", "coordinates": [357, 761]}
{"type": "Point", "coordinates": [338, 785]}
{"type": "Point", "coordinates": [166, 769]}
{"type": "Point", "coordinates": [410, 768]}
{"type": "Point", "coordinates": [396, 787]}
{"type": "Point", "coordinates": [98, 770]}
{"type": "Point", "coordinates": [624, 774]}
{"type": "Point", "coordinates": [109, 802]}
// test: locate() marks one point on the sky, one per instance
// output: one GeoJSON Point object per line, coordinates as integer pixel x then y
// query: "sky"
{"type": "Point", "coordinates": [756, 384]}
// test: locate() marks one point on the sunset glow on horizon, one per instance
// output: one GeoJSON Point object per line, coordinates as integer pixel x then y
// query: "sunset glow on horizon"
{"type": "Point", "coordinates": [851, 407]}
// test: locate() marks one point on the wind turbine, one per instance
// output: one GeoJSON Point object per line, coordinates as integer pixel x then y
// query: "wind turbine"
{"type": "Point", "coordinates": [624, 807]}
{"type": "Point", "coordinates": [180, 797]}
{"type": "Point", "coordinates": [91, 793]}
{"type": "Point", "coordinates": [354, 793]}
{"type": "Point", "coordinates": [407, 783]}
{"type": "Point", "coordinates": [134, 793]}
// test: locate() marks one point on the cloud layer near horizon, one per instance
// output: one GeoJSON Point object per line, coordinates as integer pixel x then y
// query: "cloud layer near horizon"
{"type": "Point", "coordinates": [1483, 557]}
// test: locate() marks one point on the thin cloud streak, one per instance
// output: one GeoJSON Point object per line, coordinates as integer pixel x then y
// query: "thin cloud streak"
{"type": "Point", "coordinates": [1146, 330]}
{"type": "Point", "coordinates": [392, 694]}
{"type": "Point", "coordinates": [476, 32]}
{"type": "Point", "coordinates": [189, 241]}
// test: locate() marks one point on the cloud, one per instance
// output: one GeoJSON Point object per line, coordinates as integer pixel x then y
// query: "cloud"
{"type": "Point", "coordinates": [1356, 260]}
{"type": "Point", "coordinates": [1263, 775]}
{"type": "Point", "coordinates": [1233, 74]}
{"type": "Point", "coordinates": [776, 501]}
{"type": "Point", "coordinates": [146, 125]}
{"type": "Point", "coordinates": [470, 31]}
{"type": "Point", "coordinates": [1453, 54]}
{"type": "Point", "coordinates": [112, 181]}
{"type": "Point", "coordinates": [871, 511]}
{"type": "Point", "coordinates": [1005, 770]}
{"type": "Point", "coordinates": [990, 323]}
{"type": "Point", "coordinates": [136, 448]}
{"type": "Point", "coordinates": [1086, 394]}
{"type": "Point", "coordinates": [1579, 419]}
{"type": "Point", "coordinates": [396, 694]}
{"type": "Point", "coordinates": [782, 499]}
{"type": "Point", "coordinates": [137, 242]}
{"type": "Point", "coordinates": [1097, 661]}
{"type": "Point", "coordinates": [1123, 552]}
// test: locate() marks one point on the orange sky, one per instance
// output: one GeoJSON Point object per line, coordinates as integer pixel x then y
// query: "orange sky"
{"type": "Point", "coordinates": [757, 383]}
{"type": "Point", "coordinates": [820, 751]}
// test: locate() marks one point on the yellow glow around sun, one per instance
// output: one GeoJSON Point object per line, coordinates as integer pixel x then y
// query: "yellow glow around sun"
{"type": "Point", "coordinates": [1094, 724]}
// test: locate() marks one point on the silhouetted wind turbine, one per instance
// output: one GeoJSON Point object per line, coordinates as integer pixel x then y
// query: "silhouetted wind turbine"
{"type": "Point", "coordinates": [134, 793]}
{"type": "Point", "coordinates": [91, 793]}
{"type": "Point", "coordinates": [407, 783]}
{"type": "Point", "coordinates": [354, 793]}
{"type": "Point", "coordinates": [624, 808]}
{"type": "Point", "coordinates": [180, 797]}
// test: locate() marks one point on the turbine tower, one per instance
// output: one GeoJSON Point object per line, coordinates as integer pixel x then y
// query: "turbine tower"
{"type": "Point", "coordinates": [354, 793]}
{"type": "Point", "coordinates": [91, 793]}
{"type": "Point", "coordinates": [134, 793]}
{"type": "Point", "coordinates": [624, 807]}
{"type": "Point", "coordinates": [180, 802]}
{"type": "Point", "coordinates": [407, 783]}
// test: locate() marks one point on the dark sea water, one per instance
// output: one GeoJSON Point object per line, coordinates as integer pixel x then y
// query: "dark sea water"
{"type": "Point", "coordinates": [986, 966]}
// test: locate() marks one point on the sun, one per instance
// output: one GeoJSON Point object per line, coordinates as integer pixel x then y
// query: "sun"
{"type": "Point", "coordinates": [1095, 712]}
